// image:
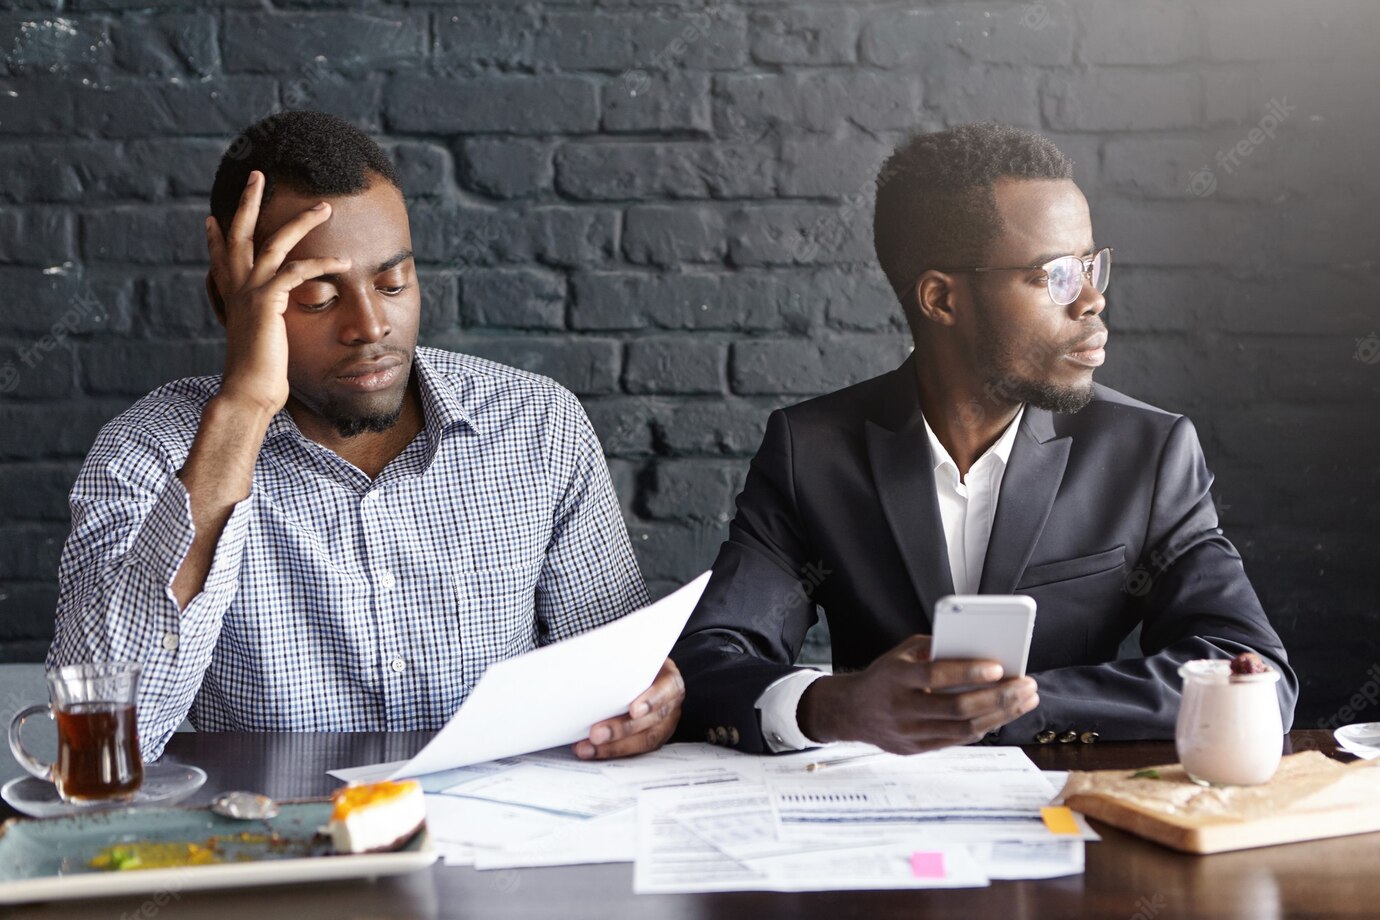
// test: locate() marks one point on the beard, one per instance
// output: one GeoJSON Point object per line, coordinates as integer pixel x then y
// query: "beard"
{"type": "Point", "coordinates": [350, 426]}
{"type": "Point", "coordinates": [1015, 372]}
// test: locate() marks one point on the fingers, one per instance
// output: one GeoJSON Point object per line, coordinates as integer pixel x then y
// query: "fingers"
{"type": "Point", "coordinates": [270, 258]}
{"type": "Point", "coordinates": [651, 719]}
{"type": "Point", "coordinates": [239, 244]}
{"type": "Point", "coordinates": [303, 270]}
{"type": "Point", "coordinates": [626, 739]}
{"type": "Point", "coordinates": [957, 672]}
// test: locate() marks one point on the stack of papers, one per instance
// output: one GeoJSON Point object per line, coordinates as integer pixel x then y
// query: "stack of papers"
{"type": "Point", "coordinates": [695, 817]}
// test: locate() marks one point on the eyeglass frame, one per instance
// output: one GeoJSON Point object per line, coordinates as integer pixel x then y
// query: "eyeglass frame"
{"type": "Point", "coordinates": [1086, 262]}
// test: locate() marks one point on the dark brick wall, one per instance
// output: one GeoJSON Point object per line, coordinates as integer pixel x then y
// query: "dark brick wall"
{"type": "Point", "coordinates": [665, 207]}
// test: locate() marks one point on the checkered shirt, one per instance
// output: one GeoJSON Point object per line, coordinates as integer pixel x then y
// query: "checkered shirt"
{"type": "Point", "coordinates": [336, 602]}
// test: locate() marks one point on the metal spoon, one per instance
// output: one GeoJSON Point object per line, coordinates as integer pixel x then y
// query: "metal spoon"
{"type": "Point", "coordinates": [244, 806]}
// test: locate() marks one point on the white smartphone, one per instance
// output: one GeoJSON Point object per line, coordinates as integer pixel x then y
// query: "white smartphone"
{"type": "Point", "coordinates": [992, 626]}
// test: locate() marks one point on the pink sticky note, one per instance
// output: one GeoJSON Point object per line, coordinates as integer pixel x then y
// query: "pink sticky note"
{"type": "Point", "coordinates": [927, 865]}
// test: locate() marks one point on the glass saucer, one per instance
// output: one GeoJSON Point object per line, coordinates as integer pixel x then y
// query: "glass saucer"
{"type": "Point", "coordinates": [164, 783]}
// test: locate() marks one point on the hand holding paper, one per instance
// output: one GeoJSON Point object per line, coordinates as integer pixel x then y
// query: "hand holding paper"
{"type": "Point", "coordinates": [648, 723]}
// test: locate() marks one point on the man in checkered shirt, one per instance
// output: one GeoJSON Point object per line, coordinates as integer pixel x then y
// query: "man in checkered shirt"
{"type": "Point", "coordinates": [343, 530]}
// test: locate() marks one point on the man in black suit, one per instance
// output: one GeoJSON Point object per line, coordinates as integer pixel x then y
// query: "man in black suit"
{"type": "Point", "coordinates": [989, 462]}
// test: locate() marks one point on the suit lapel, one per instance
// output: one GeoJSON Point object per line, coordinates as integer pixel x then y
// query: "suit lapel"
{"type": "Point", "coordinates": [1028, 487]}
{"type": "Point", "coordinates": [903, 472]}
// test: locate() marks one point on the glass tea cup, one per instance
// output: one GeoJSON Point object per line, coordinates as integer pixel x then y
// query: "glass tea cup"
{"type": "Point", "coordinates": [98, 745]}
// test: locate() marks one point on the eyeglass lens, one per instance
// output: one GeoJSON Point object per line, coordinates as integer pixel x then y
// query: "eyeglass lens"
{"type": "Point", "coordinates": [1066, 276]}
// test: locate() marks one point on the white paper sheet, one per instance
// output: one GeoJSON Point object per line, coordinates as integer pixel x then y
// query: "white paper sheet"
{"type": "Point", "coordinates": [683, 835]}
{"type": "Point", "coordinates": [608, 839]}
{"type": "Point", "coordinates": [553, 695]}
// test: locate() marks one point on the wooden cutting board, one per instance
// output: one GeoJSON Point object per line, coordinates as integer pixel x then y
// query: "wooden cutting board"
{"type": "Point", "coordinates": [1311, 797]}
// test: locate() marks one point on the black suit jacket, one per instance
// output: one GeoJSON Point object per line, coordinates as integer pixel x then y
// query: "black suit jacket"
{"type": "Point", "coordinates": [1104, 517]}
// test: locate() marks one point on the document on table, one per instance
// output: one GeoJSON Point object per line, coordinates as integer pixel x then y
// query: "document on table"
{"type": "Point", "coordinates": [552, 695]}
{"type": "Point", "coordinates": [721, 839]}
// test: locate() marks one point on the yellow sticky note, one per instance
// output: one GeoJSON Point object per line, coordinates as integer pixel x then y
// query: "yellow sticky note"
{"type": "Point", "coordinates": [1059, 819]}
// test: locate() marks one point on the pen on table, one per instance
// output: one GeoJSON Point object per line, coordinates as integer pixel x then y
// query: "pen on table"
{"type": "Point", "coordinates": [839, 761]}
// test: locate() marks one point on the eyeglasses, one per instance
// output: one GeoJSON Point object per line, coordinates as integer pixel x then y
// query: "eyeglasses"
{"type": "Point", "coordinates": [1063, 276]}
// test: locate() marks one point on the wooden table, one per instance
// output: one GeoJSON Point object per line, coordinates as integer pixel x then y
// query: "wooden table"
{"type": "Point", "coordinates": [1126, 877]}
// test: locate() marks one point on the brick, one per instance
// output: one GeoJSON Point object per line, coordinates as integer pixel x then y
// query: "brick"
{"type": "Point", "coordinates": [1109, 99]}
{"type": "Point", "coordinates": [1182, 374]}
{"type": "Point", "coordinates": [41, 369]}
{"type": "Point", "coordinates": [966, 92]}
{"type": "Point", "coordinates": [81, 419]}
{"type": "Point", "coordinates": [1159, 167]}
{"type": "Point", "coordinates": [1271, 305]}
{"type": "Point", "coordinates": [59, 301]}
{"type": "Point", "coordinates": [26, 618]}
{"type": "Point", "coordinates": [36, 236]}
{"type": "Point", "coordinates": [556, 235]}
{"type": "Point", "coordinates": [1154, 300]}
{"type": "Point", "coordinates": [1245, 32]}
{"type": "Point", "coordinates": [424, 169]}
{"type": "Point", "coordinates": [94, 171]}
{"type": "Point", "coordinates": [31, 551]}
{"type": "Point", "coordinates": [846, 168]}
{"type": "Point", "coordinates": [176, 303]}
{"type": "Point", "coordinates": [477, 37]}
{"type": "Point", "coordinates": [742, 300]}
{"type": "Point", "coordinates": [134, 368]}
{"type": "Point", "coordinates": [165, 44]}
{"type": "Point", "coordinates": [37, 491]}
{"type": "Point", "coordinates": [694, 490]}
{"type": "Point", "coordinates": [356, 42]}
{"type": "Point", "coordinates": [800, 234]}
{"type": "Point", "coordinates": [583, 366]}
{"type": "Point", "coordinates": [675, 365]}
{"type": "Point", "coordinates": [508, 104]}
{"type": "Point", "coordinates": [624, 475]}
{"type": "Point", "coordinates": [719, 426]}
{"type": "Point", "coordinates": [669, 236]}
{"type": "Point", "coordinates": [1329, 369]}
{"type": "Point", "coordinates": [505, 167]}
{"type": "Point", "coordinates": [45, 43]}
{"type": "Point", "coordinates": [38, 105]}
{"type": "Point", "coordinates": [357, 99]}
{"type": "Point", "coordinates": [136, 108]}
{"type": "Point", "coordinates": [1155, 32]}
{"type": "Point", "coordinates": [623, 423]}
{"type": "Point", "coordinates": [808, 367]}
{"type": "Point", "coordinates": [715, 39]}
{"type": "Point", "coordinates": [673, 101]}
{"type": "Point", "coordinates": [1295, 436]}
{"type": "Point", "coordinates": [520, 298]}
{"type": "Point", "coordinates": [820, 102]}
{"type": "Point", "coordinates": [860, 301]}
{"type": "Point", "coordinates": [1028, 34]}
{"type": "Point", "coordinates": [805, 35]}
{"type": "Point", "coordinates": [675, 551]}
{"type": "Point", "coordinates": [1203, 234]}
{"type": "Point", "coordinates": [622, 171]}
{"type": "Point", "coordinates": [146, 234]}
{"type": "Point", "coordinates": [440, 300]}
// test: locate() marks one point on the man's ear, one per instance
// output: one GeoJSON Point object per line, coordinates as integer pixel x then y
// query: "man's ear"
{"type": "Point", "coordinates": [213, 295]}
{"type": "Point", "coordinates": [935, 298]}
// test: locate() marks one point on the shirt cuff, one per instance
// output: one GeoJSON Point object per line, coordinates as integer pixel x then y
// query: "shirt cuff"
{"type": "Point", "coordinates": [778, 704]}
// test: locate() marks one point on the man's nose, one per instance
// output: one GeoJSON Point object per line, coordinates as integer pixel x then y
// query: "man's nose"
{"type": "Point", "coordinates": [363, 318]}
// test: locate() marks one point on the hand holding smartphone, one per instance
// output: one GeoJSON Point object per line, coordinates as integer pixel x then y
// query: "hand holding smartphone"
{"type": "Point", "coordinates": [997, 627]}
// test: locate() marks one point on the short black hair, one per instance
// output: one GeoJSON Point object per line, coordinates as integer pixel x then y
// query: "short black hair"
{"type": "Point", "coordinates": [311, 153]}
{"type": "Point", "coordinates": [935, 206]}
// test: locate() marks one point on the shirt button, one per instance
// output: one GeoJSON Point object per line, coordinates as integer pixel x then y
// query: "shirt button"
{"type": "Point", "coordinates": [386, 581]}
{"type": "Point", "coordinates": [170, 641]}
{"type": "Point", "coordinates": [397, 664]}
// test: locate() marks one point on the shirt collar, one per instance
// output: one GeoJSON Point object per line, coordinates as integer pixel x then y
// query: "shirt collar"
{"type": "Point", "coordinates": [441, 406]}
{"type": "Point", "coordinates": [1001, 450]}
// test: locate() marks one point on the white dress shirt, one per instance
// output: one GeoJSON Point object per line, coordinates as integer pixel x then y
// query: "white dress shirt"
{"type": "Point", "coordinates": [967, 507]}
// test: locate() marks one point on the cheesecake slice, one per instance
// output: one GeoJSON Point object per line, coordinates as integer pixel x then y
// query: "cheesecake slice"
{"type": "Point", "coordinates": [376, 817]}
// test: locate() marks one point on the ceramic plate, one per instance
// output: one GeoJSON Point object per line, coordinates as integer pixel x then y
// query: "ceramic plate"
{"type": "Point", "coordinates": [1361, 739]}
{"type": "Point", "coordinates": [50, 859]}
{"type": "Point", "coordinates": [164, 784]}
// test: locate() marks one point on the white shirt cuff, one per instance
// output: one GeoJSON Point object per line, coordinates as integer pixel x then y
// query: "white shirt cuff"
{"type": "Point", "coordinates": [778, 704]}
